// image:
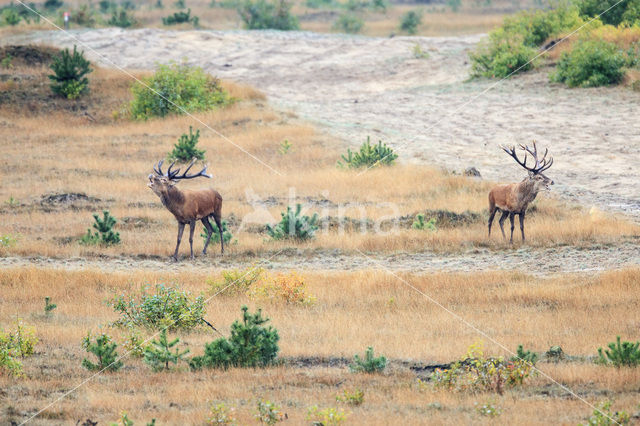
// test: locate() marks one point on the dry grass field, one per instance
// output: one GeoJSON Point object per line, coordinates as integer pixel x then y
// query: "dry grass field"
{"type": "Point", "coordinates": [577, 312]}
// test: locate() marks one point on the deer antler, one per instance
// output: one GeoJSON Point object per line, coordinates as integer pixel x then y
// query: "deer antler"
{"type": "Point", "coordinates": [173, 174]}
{"type": "Point", "coordinates": [540, 164]}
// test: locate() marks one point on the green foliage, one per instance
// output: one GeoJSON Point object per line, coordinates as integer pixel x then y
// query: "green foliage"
{"type": "Point", "coordinates": [488, 409]}
{"type": "Point", "coordinates": [326, 417]}
{"type": "Point", "coordinates": [7, 240]}
{"type": "Point", "coordinates": [315, 4]}
{"type": "Point", "coordinates": [625, 12]}
{"type": "Point", "coordinates": [352, 397]}
{"type": "Point", "coordinates": [11, 16]}
{"type": "Point", "coordinates": [15, 345]}
{"type": "Point", "coordinates": [591, 63]}
{"type": "Point", "coordinates": [285, 147]}
{"type": "Point", "coordinates": [5, 63]}
{"type": "Point", "coordinates": [126, 421]}
{"type": "Point", "coordinates": [369, 156]}
{"type": "Point", "coordinates": [104, 231]}
{"type": "Point", "coordinates": [370, 363]}
{"type": "Point", "coordinates": [251, 344]}
{"type": "Point", "coordinates": [268, 14]}
{"type": "Point", "coordinates": [220, 414]}
{"type": "Point", "coordinates": [602, 416]}
{"type": "Point", "coordinates": [105, 350]}
{"type": "Point", "coordinates": [107, 5]}
{"type": "Point", "coordinates": [185, 149]}
{"type": "Point", "coordinates": [620, 354]}
{"type": "Point", "coordinates": [454, 4]}
{"type": "Point", "coordinates": [380, 5]}
{"type": "Point", "coordinates": [181, 17]}
{"type": "Point", "coordinates": [48, 306]}
{"type": "Point", "coordinates": [528, 356]}
{"type": "Point", "coordinates": [69, 74]}
{"type": "Point", "coordinates": [159, 353]}
{"type": "Point", "coordinates": [419, 223]}
{"type": "Point", "coordinates": [180, 4]}
{"type": "Point", "coordinates": [555, 353]}
{"type": "Point", "coordinates": [418, 53]}
{"type": "Point", "coordinates": [53, 4]}
{"type": "Point", "coordinates": [83, 16]}
{"type": "Point", "coordinates": [477, 373]}
{"type": "Point", "coordinates": [215, 237]}
{"type": "Point", "coordinates": [294, 226]}
{"type": "Point", "coordinates": [348, 23]}
{"type": "Point", "coordinates": [167, 307]}
{"type": "Point", "coordinates": [121, 18]}
{"type": "Point", "coordinates": [134, 343]}
{"type": "Point", "coordinates": [176, 88]}
{"type": "Point", "coordinates": [536, 27]}
{"type": "Point", "coordinates": [236, 281]}
{"type": "Point", "coordinates": [410, 22]}
{"type": "Point", "coordinates": [268, 412]}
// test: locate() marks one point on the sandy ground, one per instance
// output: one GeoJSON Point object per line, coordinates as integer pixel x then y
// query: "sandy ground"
{"type": "Point", "coordinates": [356, 86]}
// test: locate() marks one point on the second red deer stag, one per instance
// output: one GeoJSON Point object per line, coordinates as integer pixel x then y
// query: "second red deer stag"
{"type": "Point", "coordinates": [188, 206]}
{"type": "Point", "coordinates": [513, 199]}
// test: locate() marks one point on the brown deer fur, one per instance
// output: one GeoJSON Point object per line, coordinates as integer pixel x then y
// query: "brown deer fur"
{"type": "Point", "coordinates": [188, 207]}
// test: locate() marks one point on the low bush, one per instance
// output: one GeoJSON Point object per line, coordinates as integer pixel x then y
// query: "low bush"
{"type": "Point", "coordinates": [83, 16]}
{"type": "Point", "coordinates": [369, 156]}
{"type": "Point", "coordinates": [602, 416]}
{"type": "Point", "coordinates": [121, 18]}
{"type": "Point", "coordinates": [104, 231]}
{"type": "Point", "coordinates": [158, 354]}
{"type": "Point", "coordinates": [620, 354]}
{"type": "Point", "coordinates": [251, 344]}
{"type": "Point", "coordinates": [236, 281]}
{"type": "Point", "coordinates": [268, 14]}
{"type": "Point", "coordinates": [327, 417]}
{"type": "Point", "coordinates": [176, 88]}
{"type": "Point", "coordinates": [477, 373]}
{"type": "Point", "coordinates": [617, 12]}
{"type": "Point", "coordinates": [420, 224]}
{"type": "Point", "coordinates": [348, 23]}
{"type": "Point", "coordinates": [15, 345]}
{"type": "Point", "coordinates": [166, 307]}
{"type": "Point", "coordinates": [368, 364]}
{"type": "Point", "coordinates": [185, 149]}
{"type": "Point", "coordinates": [488, 409]}
{"type": "Point", "coordinates": [69, 74]}
{"type": "Point", "coordinates": [410, 22]}
{"type": "Point", "coordinates": [294, 225]}
{"type": "Point", "coordinates": [181, 17]}
{"type": "Point", "coordinates": [528, 356]}
{"type": "Point", "coordinates": [591, 63]}
{"type": "Point", "coordinates": [289, 288]}
{"type": "Point", "coordinates": [53, 4]}
{"type": "Point", "coordinates": [48, 306]}
{"type": "Point", "coordinates": [104, 348]}
{"type": "Point", "coordinates": [221, 414]}
{"type": "Point", "coordinates": [351, 397]}
{"type": "Point", "coordinates": [268, 412]}
{"type": "Point", "coordinates": [10, 16]}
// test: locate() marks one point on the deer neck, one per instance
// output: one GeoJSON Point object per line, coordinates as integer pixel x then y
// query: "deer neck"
{"type": "Point", "coordinates": [172, 199]}
{"type": "Point", "coordinates": [527, 191]}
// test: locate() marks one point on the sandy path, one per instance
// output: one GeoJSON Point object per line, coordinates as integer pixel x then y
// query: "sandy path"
{"type": "Point", "coordinates": [541, 262]}
{"type": "Point", "coordinates": [359, 86]}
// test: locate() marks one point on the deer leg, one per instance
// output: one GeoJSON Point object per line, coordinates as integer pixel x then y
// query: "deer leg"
{"type": "Point", "coordinates": [209, 228]}
{"type": "Point", "coordinates": [491, 216]}
{"type": "Point", "coordinates": [218, 220]}
{"type": "Point", "coordinates": [192, 227]}
{"type": "Point", "coordinates": [511, 217]}
{"type": "Point", "coordinates": [501, 222]}
{"type": "Point", "coordinates": [180, 230]}
{"type": "Point", "coordinates": [522, 224]}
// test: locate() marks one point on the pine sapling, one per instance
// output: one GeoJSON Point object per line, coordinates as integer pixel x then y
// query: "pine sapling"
{"type": "Point", "coordinates": [158, 354]}
{"type": "Point", "coordinates": [185, 149]}
{"type": "Point", "coordinates": [48, 306]}
{"type": "Point", "coordinates": [105, 350]}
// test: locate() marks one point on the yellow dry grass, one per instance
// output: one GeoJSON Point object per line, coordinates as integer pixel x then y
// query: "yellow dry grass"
{"type": "Point", "coordinates": [353, 310]}
{"type": "Point", "coordinates": [56, 150]}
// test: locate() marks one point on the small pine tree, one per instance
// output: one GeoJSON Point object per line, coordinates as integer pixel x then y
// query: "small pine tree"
{"type": "Point", "coordinates": [185, 150]}
{"type": "Point", "coordinates": [158, 354]}
{"type": "Point", "coordinates": [48, 306]}
{"type": "Point", "coordinates": [294, 226]}
{"type": "Point", "coordinates": [620, 354]}
{"type": "Point", "coordinates": [104, 231]}
{"type": "Point", "coordinates": [70, 70]}
{"type": "Point", "coordinates": [105, 350]}
{"type": "Point", "coordinates": [528, 356]}
{"type": "Point", "coordinates": [215, 236]}
{"type": "Point", "coordinates": [370, 364]}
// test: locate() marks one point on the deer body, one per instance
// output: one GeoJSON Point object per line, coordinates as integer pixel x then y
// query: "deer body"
{"type": "Point", "coordinates": [188, 206]}
{"type": "Point", "coordinates": [513, 199]}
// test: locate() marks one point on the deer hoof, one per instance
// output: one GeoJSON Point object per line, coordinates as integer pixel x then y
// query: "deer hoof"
{"type": "Point", "coordinates": [174, 258]}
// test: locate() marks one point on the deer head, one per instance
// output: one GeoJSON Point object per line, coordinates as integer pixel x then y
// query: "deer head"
{"type": "Point", "coordinates": [535, 175]}
{"type": "Point", "coordinates": [161, 182]}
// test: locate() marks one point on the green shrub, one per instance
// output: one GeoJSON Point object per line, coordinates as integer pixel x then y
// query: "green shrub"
{"type": "Point", "coordinates": [348, 23]}
{"type": "Point", "coordinates": [176, 88]}
{"type": "Point", "coordinates": [221, 414]}
{"type": "Point", "coordinates": [181, 17]}
{"type": "Point", "coordinates": [356, 5]}
{"type": "Point", "coordinates": [185, 149]}
{"type": "Point", "coordinates": [351, 397]}
{"type": "Point", "coordinates": [370, 363]}
{"type": "Point", "coordinates": [215, 237]}
{"type": "Point", "coordinates": [5, 63]}
{"type": "Point", "coordinates": [536, 27]}
{"type": "Point", "coordinates": [528, 356]}
{"type": "Point", "coordinates": [620, 354]}
{"type": "Point", "coordinates": [15, 345]}
{"type": "Point", "coordinates": [454, 4]}
{"type": "Point", "coordinates": [591, 63]}
{"type": "Point", "coordinates": [11, 16]}
{"type": "Point", "coordinates": [419, 223]}
{"type": "Point", "coordinates": [488, 409]}
{"type": "Point", "coordinates": [288, 288]}
{"type": "Point", "coordinates": [48, 306]}
{"type": "Point", "coordinates": [69, 74]}
{"type": "Point", "coordinates": [121, 18]}
{"type": "Point", "coordinates": [104, 231]}
{"type": "Point", "coordinates": [134, 343]}
{"type": "Point", "coordinates": [268, 412]}
{"type": "Point", "coordinates": [83, 16]}
{"type": "Point", "coordinates": [294, 226]}
{"type": "Point", "coordinates": [105, 350]}
{"type": "Point", "coordinates": [167, 307]}
{"type": "Point", "coordinates": [107, 5]}
{"type": "Point", "coordinates": [326, 417]}
{"type": "Point", "coordinates": [285, 147]}
{"type": "Point", "coordinates": [53, 4]}
{"type": "Point", "coordinates": [624, 12]}
{"type": "Point", "coordinates": [158, 354]}
{"type": "Point", "coordinates": [236, 281]}
{"type": "Point", "coordinates": [316, 4]}
{"type": "Point", "coordinates": [410, 22]}
{"type": "Point", "coordinates": [369, 156]}
{"type": "Point", "coordinates": [477, 373]}
{"type": "Point", "coordinates": [251, 344]}
{"type": "Point", "coordinates": [501, 55]}
{"type": "Point", "coordinates": [602, 416]}
{"type": "Point", "coordinates": [380, 5]}
{"type": "Point", "coordinates": [263, 14]}
{"type": "Point", "coordinates": [7, 240]}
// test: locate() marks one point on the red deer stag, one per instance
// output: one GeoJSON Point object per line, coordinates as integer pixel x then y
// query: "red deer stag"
{"type": "Point", "coordinates": [188, 206]}
{"type": "Point", "coordinates": [513, 199]}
